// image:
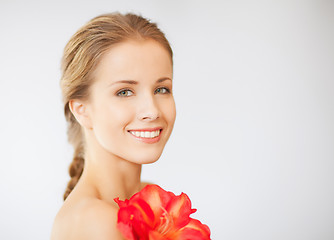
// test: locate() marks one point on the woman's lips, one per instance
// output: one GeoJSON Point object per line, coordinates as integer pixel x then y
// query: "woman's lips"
{"type": "Point", "coordinates": [147, 135]}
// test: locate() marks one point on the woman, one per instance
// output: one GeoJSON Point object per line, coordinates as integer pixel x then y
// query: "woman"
{"type": "Point", "coordinates": [117, 73]}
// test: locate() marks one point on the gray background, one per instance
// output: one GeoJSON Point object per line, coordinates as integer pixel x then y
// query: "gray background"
{"type": "Point", "coordinates": [254, 135]}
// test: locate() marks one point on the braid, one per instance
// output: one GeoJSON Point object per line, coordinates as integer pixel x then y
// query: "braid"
{"type": "Point", "coordinates": [75, 137]}
{"type": "Point", "coordinates": [75, 169]}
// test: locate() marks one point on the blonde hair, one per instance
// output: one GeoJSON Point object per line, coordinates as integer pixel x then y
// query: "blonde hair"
{"type": "Point", "coordinates": [81, 56]}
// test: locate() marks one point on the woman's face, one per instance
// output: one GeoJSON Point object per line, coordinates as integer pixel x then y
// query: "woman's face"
{"type": "Point", "coordinates": [131, 105]}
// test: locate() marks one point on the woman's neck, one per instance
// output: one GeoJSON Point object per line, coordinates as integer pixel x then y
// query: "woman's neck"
{"type": "Point", "coordinates": [108, 175]}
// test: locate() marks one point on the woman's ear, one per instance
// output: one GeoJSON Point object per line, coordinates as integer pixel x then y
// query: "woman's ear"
{"type": "Point", "coordinates": [79, 110]}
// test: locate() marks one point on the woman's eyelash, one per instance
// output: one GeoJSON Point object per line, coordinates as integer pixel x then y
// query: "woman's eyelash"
{"type": "Point", "coordinates": [162, 90]}
{"type": "Point", "coordinates": [124, 93]}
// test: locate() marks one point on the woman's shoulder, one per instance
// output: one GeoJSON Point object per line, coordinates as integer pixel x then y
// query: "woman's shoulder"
{"type": "Point", "coordinates": [89, 218]}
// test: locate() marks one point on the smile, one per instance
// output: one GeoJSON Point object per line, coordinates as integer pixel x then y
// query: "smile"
{"type": "Point", "coordinates": [151, 135]}
{"type": "Point", "coordinates": [146, 134]}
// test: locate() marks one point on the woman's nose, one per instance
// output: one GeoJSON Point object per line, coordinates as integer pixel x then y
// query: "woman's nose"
{"type": "Point", "coordinates": [148, 109]}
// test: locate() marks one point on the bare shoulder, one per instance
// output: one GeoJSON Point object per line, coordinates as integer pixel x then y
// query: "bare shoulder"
{"type": "Point", "coordinates": [88, 219]}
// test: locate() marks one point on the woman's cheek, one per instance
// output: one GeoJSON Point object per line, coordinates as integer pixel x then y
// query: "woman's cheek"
{"type": "Point", "coordinates": [171, 111]}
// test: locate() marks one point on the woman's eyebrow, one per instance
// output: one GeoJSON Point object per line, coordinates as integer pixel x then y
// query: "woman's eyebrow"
{"type": "Point", "coordinates": [124, 81]}
{"type": "Point", "coordinates": [136, 82]}
{"type": "Point", "coordinates": [163, 79]}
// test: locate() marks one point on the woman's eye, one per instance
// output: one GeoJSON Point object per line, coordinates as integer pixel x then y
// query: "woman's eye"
{"type": "Point", "coordinates": [125, 93]}
{"type": "Point", "coordinates": [162, 90]}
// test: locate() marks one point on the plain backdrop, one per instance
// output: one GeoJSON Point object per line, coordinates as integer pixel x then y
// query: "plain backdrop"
{"type": "Point", "coordinates": [253, 143]}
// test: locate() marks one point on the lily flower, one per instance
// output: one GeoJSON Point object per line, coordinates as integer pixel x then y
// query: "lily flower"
{"type": "Point", "coordinates": [156, 214]}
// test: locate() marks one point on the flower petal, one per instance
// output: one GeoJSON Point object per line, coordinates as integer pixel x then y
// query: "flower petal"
{"type": "Point", "coordinates": [126, 231]}
{"type": "Point", "coordinates": [194, 230]}
{"type": "Point", "coordinates": [131, 217]}
{"type": "Point", "coordinates": [122, 203]}
{"type": "Point", "coordinates": [154, 235]}
{"type": "Point", "coordinates": [180, 209]}
{"type": "Point", "coordinates": [141, 205]}
{"type": "Point", "coordinates": [156, 198]}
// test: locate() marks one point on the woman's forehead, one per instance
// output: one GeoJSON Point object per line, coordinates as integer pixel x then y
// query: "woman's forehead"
{"type": "Point", "coordinates": [135, 60]}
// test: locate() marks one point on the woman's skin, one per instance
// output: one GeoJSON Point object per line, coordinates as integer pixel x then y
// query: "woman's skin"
{"type": "Point", "coordinates": [131, 92]}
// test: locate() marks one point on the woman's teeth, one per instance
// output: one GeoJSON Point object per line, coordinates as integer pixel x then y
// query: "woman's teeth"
{"type": "Point", "coordinates": [146, 134]}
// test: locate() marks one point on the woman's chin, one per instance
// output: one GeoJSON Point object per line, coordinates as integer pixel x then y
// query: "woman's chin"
{"type": "Point", "coordinates": [150, 162]}
{"type": "Point", "coordinates": [145, 158]}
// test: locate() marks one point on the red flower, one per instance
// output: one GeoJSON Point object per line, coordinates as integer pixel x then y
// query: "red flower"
{"type": "Point", "coordinates": [155, 214]}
